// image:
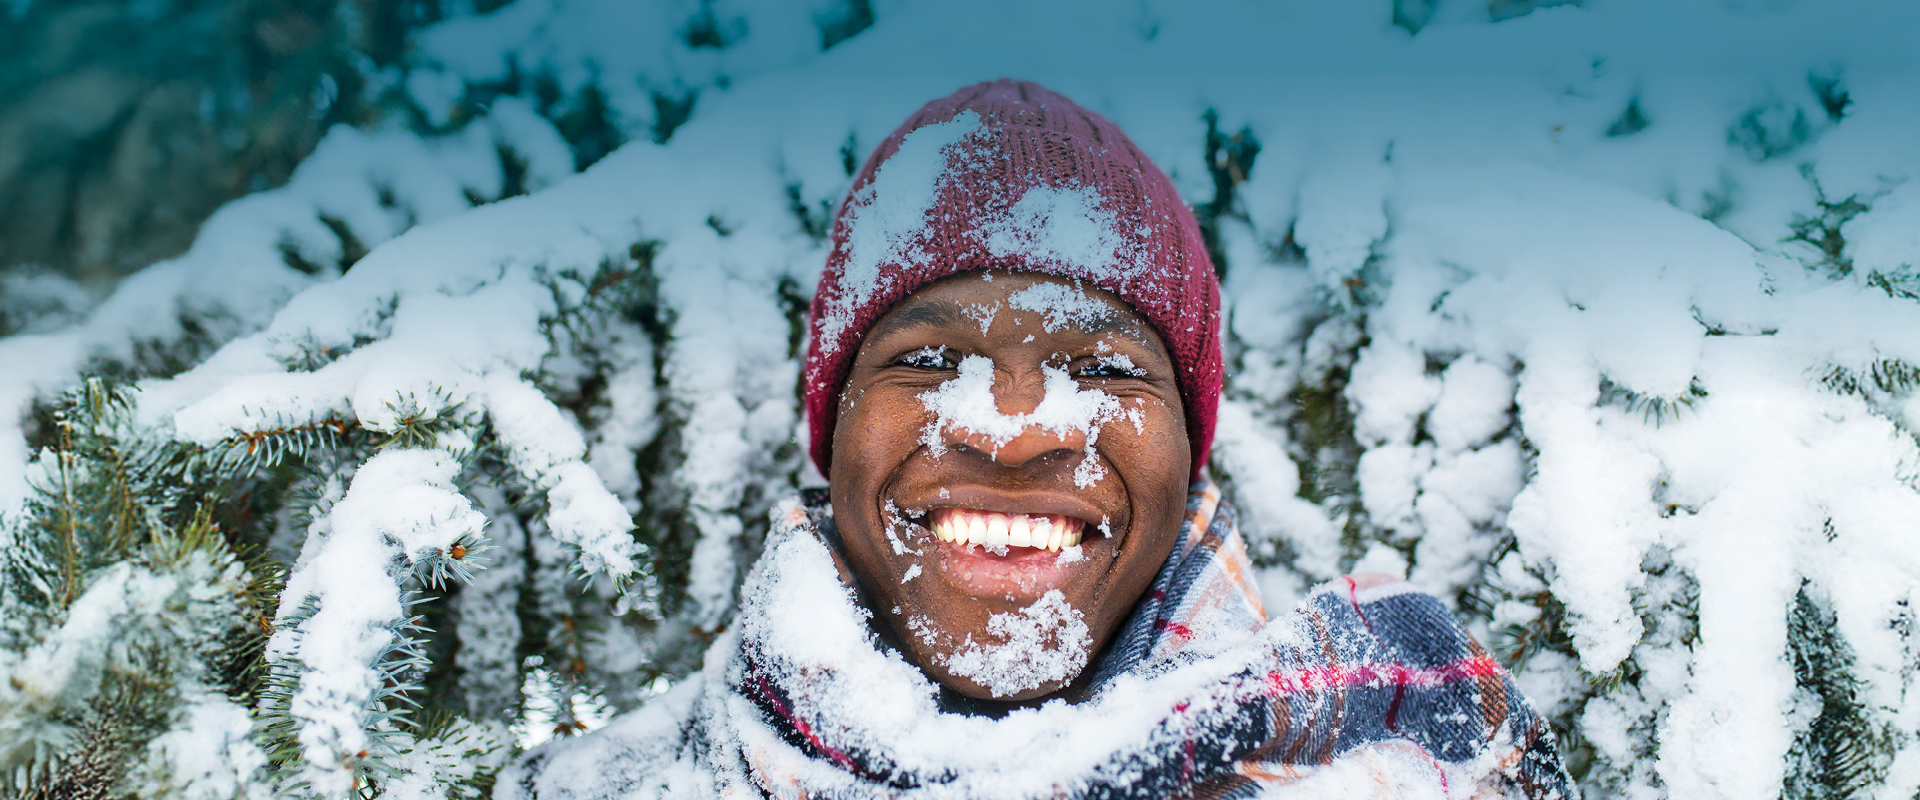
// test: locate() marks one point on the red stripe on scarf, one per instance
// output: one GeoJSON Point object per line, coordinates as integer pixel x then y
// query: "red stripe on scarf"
{"type": "Point", "coordinates": [1353, 596]}
{"type": "Point", "coordinates": [806, 731]}
{"type": "Point", "coordinates": [1174, 628]}
{"type": "Point", "coordinates": [1342, 676]}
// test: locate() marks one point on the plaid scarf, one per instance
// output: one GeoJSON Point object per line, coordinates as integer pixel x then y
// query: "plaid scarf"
{"type": "Point", "coordinates": [1367, 689]}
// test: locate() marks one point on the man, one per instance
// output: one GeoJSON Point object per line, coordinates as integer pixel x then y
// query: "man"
{"type": "Point", "coordinates": [1020, 582]}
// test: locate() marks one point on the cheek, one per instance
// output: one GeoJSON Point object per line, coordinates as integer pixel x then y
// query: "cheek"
{"type": "Point", "coordinates": [875, 428]}
{"type": "Point", "coordinates": [1150, 438]}
{"type": "Point", "coordinates": [877, 432]}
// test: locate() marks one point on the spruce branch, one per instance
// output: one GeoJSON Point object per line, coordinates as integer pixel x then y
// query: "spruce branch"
{"type": "Point", "coordinates": [272, 446]}
{"type": "Point", "coordinates": [327, 731]}
{"type": "Point", "coordinates": [1843, 751]}
{"type": "Point", "coordinates": [1653, 409]}
{"type": "Point", "coordinates": [1883, 376]}
{"type": "Point", "coordinates": [1884, 384]}
{"type": "Point", "coordinates": [438, 421]}
{"type": "Point", "coordinates": [1903, 283]}
{"type": "Point", "coordinates": [1822, 231]}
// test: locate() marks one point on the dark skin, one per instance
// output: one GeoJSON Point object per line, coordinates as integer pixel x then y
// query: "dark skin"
{"type": "Point", "coordinates": [929, 596]}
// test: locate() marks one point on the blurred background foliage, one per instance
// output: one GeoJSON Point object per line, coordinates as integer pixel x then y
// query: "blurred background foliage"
{"type": "Point", "coordinates": [125, 123]}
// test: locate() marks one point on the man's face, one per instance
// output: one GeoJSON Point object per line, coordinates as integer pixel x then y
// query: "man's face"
{"type": "Point", "coordinates": [989, 406]}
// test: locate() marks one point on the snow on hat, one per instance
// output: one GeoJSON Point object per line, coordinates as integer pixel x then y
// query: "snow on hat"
{"type": "Point", "coordinates": [1010, 176]}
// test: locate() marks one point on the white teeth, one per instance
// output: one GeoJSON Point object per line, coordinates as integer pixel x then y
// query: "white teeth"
{"type": "Point", "coordinates": [948, 525]}
{"type": "Point", "coordinates": [991, 529]}
{"type": "Point", "coordinates": [1019, 533]}
{"type": "Point", "coordinates": [996, 530]}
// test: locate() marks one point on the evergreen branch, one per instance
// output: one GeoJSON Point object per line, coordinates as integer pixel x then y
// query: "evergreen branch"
{"type": "Point", "coordinates": [443, 568]}
{"type": "Point", "coordinates": [1885, 376]}
{"type": "Point", "coordinates": [1843, 752]}
{"type": "Point", "coordinates": [1519, 643]}
{"type": "Point", "coordinates": [126, 523]}
{"type": "Point", "coordinates": [1904, 283]}
{"type": "Point", "coordinates": [1884, 384]}
{"type": "Point", "coordinates": [1652, 409]}
{"type": "Point", "coordinates": [418, 425]}
{"type": "Point", "coordinates": [255, 440]}
{"type": "Point", "coordinates": [424, 547]}
{"type": "Point", "coordinates": [1822, 231]}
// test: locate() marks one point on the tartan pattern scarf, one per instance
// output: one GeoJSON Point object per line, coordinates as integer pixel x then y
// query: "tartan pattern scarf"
{"type": "Point", "coordinates": [1368, 689]}
{"type": "Point", "coordinates": [1377, 689]}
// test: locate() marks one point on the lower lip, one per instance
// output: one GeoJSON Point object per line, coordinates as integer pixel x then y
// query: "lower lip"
{"type": "Point", "coordinates": [1022, 571]}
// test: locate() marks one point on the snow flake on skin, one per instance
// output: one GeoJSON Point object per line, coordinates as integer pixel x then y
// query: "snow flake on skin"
{"type": "Point", "coordinates": [982, 314]}
{"type": "Point", "coordinates": [922, 629]}
{"type": "Point", "coordinates": [1044, 642]}
{"type": "Point", "coordinates": [1122, 363]}
{"type": "Point", "coordinates": [897, 525]}
{"type": "Point", "coordinates": [1061, 305]}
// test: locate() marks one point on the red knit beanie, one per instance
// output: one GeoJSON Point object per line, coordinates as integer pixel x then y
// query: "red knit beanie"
{"type": "Point", "coordinates": [1009, 176]}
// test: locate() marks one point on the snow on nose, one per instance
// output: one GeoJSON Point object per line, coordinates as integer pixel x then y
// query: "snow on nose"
{"type": "Point", "coordinates": [967, 412]}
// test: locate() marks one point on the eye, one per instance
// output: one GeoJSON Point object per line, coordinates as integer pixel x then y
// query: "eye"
{"type": "Point", "coordinates": [1108, 366]}
{"type": "Point", "coordinates": [930, 358]}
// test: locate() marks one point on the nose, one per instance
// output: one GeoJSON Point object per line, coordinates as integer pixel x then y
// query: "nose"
{"type": "Point", "coordinates": [1016, 395]}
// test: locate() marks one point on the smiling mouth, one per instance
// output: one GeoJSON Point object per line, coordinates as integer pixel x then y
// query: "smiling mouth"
{"type": "Point", "coordinates": [1053, 532]}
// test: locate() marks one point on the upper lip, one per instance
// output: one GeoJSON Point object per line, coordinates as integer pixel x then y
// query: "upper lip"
{"type": "Point", "coordinates": [983, 499]}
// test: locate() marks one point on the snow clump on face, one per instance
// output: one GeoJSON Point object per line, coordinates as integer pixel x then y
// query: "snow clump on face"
{"type": "Point", "coordinates": [966, 402]}
{"type": "Point", "coordinates": [1044, 642]}
{"type": "Point", "coordinates": [1120, 362]}
{"type": "Point", "coordinates": [1060, 305]}
{"type": "Point", "coordinates": [885, 219]}
{"type": "Point", "coordinates": [982, 314]}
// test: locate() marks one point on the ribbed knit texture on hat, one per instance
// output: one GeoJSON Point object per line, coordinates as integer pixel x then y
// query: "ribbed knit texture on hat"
{"type": "Point", "coordinates": [1010, 176]}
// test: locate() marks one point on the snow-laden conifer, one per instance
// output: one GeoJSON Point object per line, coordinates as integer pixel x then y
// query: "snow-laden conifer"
{"type": "Point", "coordinates": [1591, 323]}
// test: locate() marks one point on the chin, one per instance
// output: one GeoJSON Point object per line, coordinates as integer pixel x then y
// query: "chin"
{"type": "Point", "coordinates": [1001, 605]}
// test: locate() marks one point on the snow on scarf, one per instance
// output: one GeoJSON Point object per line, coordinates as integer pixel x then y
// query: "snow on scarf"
{"type": "Point", "coordinates": [1362, 691]}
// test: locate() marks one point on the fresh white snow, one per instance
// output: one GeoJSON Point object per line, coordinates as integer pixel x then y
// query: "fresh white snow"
{"type": "Point", "coordinates": [1443, 217]}
{"type": "Point", "coordinates": [966, 404]}
{"type": "Point", "coordinates": [1042, 643]}
{"type": "Point", "coordinates": [887, 220]}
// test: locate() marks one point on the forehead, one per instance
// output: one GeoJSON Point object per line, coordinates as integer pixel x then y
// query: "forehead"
{"type": "Point", "coordinates": [1041, 305]}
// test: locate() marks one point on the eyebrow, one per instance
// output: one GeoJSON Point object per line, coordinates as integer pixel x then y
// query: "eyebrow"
{"type": "Point", "coordinates": [945, 313]}
{"type": "Point", "coordinates": [924, 313]}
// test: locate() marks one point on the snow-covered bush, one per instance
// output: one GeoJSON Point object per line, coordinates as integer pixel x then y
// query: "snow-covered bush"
{"type": "Point", "coordinates": [1600, 322]}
